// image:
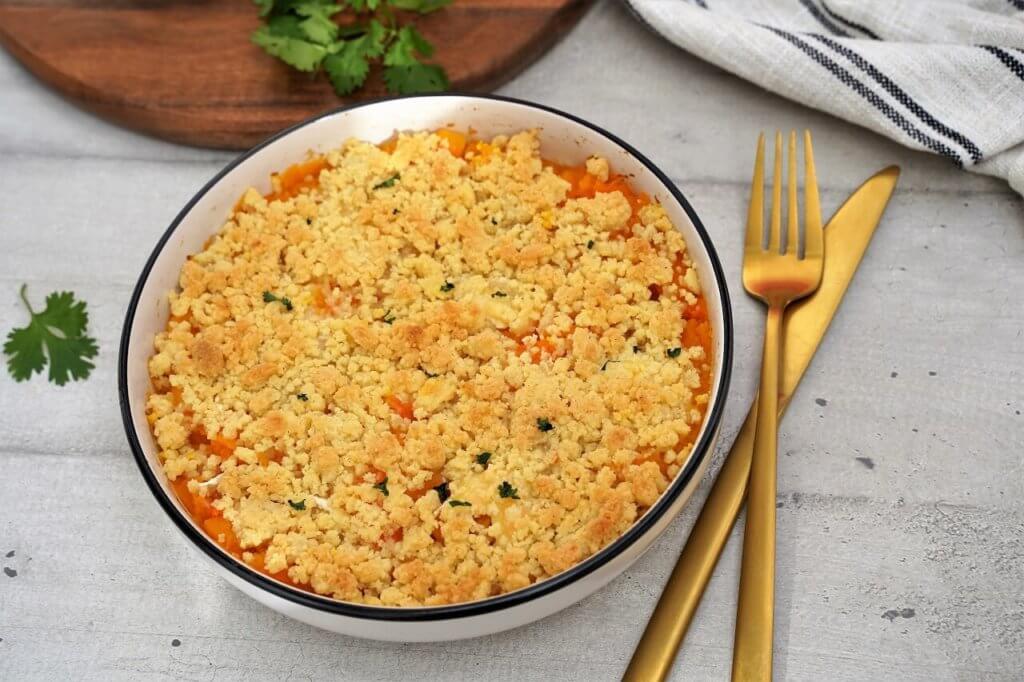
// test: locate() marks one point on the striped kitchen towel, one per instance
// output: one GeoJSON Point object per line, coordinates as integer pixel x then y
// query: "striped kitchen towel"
{"type": "Point", "coordinates": [941, 76]}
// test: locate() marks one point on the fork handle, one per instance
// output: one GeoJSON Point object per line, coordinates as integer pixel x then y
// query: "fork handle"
{"type": "Point", "coordinates": [752, 649]}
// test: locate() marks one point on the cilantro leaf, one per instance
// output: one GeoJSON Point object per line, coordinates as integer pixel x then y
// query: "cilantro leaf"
{"type": "Point", "coordinates": [265, 6]}
{"type": "Point", "coordinates": [364, 5]}
{"type": "Point", "coordinates": [347, 68]}
{"type": "Point", "coordinates": [421, 6]}
{"type": "Point", "coordinates": [408, 42]}
{"type": "Point", "coordinates": [418, 78]}
{"type": "Point", "coordinates": [298, 506]}
{"type": "Point", "coordinates": [295, 52]}
{"type": "Point", "coordinates": [269, 297]}
{"type": "Point", "coordinates": [286, 25]}
{"type": "Point", "coordinates": [459, 503]}
{"type": "Point", "coordinates": [56, 334]}
{"type": "Point", "coordinates": [316, 23]}
{"type": "Point", "coordinates": [390, 182]}
{"type": "Point", "coordinates": [404, 73]}
{"type": "Point", "coordinates": [506, 491]}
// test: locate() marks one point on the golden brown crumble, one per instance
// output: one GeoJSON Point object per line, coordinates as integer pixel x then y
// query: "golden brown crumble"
{"type": "Point", "coordinates": [431, 371]}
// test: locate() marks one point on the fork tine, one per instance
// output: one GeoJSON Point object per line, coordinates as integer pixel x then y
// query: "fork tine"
{"type": "Point", "coordinates": [812, 206]}
{"type": "Point", "coordinates": [774, 238]}
{"type": "Point", "coordinates": [791, 208]}
{"type": "Point", "coordinates": [755, 215]}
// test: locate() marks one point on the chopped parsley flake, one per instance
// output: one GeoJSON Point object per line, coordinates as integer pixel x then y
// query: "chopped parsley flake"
{"type": "Point", "coordinates": [297, 506]}
{"type": "Point", "coordinates": [499, 294]}
{"type": "Point", "coordinates": [390, 182]}
{"type": "Point", "coordinates": [269, 297]}
{"type": "Point", "coordinates": [388, 318]}
{"type": "Point", "coordinates": [447, 286]}
{"type": "Point", "coordinates": [483, 458]}
{"type": "Point", "coordinates": [507, 491]}
{"type": "Point", "coordinates": [302, 396]}
{"type": "Point", "coordinates": [443, 491]}
{"type": "Point", "coordinates": [544, 425]}
{"type": "Point", "coordinates": [382, 486]}
{"type": "Point", "coordinates": [590, 244]}
{"type": "Point", "coordinates": [674, 352]}
{"type": "Point", "coordinates": [459, 503]}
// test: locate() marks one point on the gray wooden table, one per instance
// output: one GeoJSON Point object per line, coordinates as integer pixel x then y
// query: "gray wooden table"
{"type": "Point", "coordinates": [901, 524]}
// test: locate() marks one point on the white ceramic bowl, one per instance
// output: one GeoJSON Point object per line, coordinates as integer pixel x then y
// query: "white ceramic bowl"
{"type": "Point", "coordinates": [564, 138]}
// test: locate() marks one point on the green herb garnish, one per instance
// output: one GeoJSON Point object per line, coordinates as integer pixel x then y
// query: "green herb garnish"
{"type": "Point", "coordinates": [674, 352]}
{"type": "Point", "coordinates": [269, 297]}
{"type": "Point", "coordinates": [507, 491]}
{"type": "Point", "coordinates": [57, 335]}
{"type": "Point", "coordinates": [590, 244]}
{"type": "Point", "coordinates": [302, 396]}
{"type": "Point", "coordinates": [305, 35]}
{"type": "Point", "coordinates": [297, 506]}
{"type": "Point", "coordinates": [443, 491]}
{"type": "Point", "coordinates": [499, 294]}
{"type": "Point", "coordinates": [483, 458]}
{"type": "Point", "coordinates": [459, 503]}
{"type": "Point", "coordinates": [388, 317]}
{"type": "Point", "coordinates": [390, 182]}
{"type": "Point", "coordinates": [447, 286]}
{"type": "Point", "coordinates": [382, 486]}
{"type": "Point", "coordinates": [544, 425]}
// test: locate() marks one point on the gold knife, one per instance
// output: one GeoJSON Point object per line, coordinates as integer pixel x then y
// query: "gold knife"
{"type": "Point", "coordinates": [847, 236]}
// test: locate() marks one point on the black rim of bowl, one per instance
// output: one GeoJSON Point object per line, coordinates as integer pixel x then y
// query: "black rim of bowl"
{"type": "Point", "coordinates": [466, 609]}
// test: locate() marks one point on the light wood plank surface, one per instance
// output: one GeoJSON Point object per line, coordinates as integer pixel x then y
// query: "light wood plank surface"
{"type": "Point", "coordinates": [901, 527]}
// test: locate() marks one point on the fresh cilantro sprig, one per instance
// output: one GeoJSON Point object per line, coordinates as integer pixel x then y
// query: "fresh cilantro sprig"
{"type": "Point", "coordinates": [55, 335]}
{"type": "Point", "coordinates": [305, 35]}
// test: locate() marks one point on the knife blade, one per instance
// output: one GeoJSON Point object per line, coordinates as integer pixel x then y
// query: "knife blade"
{"type": "Point", "coordinates": [847, 236]}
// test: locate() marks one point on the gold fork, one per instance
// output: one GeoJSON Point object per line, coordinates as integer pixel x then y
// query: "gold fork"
{"type": "Point", "coordinates": [778, 275]}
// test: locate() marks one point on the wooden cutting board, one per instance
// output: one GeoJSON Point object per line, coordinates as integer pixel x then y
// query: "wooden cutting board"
{"type": "Point", "coordinates": [185, 70]}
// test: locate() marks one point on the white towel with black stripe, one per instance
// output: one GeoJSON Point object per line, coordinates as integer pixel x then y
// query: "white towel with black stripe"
{"type": "Point", "coordinates": [941, 76]}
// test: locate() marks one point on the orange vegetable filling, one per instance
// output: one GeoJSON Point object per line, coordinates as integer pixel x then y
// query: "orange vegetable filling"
{"type": "Point", "coordinates": [400, 407]}
{"type": "Point", "coordinates": [456, 141]}
{"type": "Point", "coordinates": [297, 178]}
